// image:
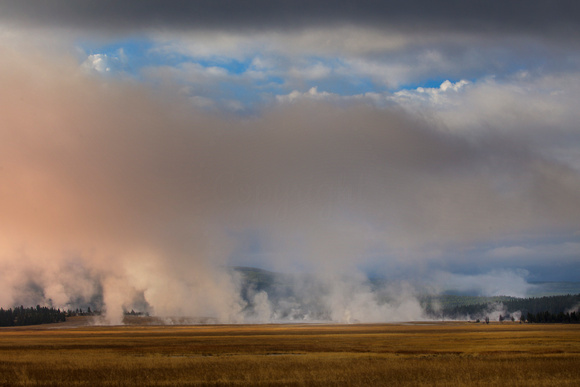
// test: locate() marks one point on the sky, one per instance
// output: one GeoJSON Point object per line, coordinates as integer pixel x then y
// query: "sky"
{"type": "Point", "coordinates": [147, 145]}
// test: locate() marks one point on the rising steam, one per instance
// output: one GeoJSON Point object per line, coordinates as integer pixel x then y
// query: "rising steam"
{"type": "Point", "coordinates": [124, 197]}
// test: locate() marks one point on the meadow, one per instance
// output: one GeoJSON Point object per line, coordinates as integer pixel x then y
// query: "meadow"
{"type": "Point", "coordinates": [440, 354]}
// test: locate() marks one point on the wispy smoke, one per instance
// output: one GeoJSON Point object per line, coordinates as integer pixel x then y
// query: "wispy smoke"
{"type": "Point", "coordinates": [119, 196]}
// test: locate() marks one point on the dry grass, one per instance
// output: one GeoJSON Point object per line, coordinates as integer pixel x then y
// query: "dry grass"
{"type": "Point", "coordinates": [420, 354]}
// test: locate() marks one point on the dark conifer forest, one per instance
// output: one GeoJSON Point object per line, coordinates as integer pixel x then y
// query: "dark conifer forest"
{"type": "Point", "coordinates": [549, 309]}
{"type": "Point", "coordinates": [30, 316]}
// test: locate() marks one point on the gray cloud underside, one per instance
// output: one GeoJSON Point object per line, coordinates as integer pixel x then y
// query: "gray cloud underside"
{"type": "Point", "coordinates": [537, 17]}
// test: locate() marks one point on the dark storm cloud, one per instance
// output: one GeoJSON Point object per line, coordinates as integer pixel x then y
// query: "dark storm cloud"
{"type": "Point", "coordinates": [537, 17]}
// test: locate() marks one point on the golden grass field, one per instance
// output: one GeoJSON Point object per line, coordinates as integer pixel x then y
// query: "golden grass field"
{"type": "Point", "coordinates": [433, 354]}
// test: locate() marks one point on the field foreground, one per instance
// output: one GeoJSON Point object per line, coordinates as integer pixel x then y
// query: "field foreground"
{"type": "Point", "coordinates": [233, 355]}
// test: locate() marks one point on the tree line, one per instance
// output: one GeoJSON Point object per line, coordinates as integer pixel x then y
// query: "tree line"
{"type": "Point", "coordinates": [30, 316]}
{"type": "Point", "coordinates": [549, 309]}
{"type": "Point", "coordinates": [536, 307]}
{"type": "Point", "coordinates": [550, 304]}
{"type": "Point", "coordinates": [81, 312]}
{"type": "Point", "coordinates": [547, 317]}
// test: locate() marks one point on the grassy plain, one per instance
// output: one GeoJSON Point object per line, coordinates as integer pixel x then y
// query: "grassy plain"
{"type": "Point", "coordinates": [292, 355]}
